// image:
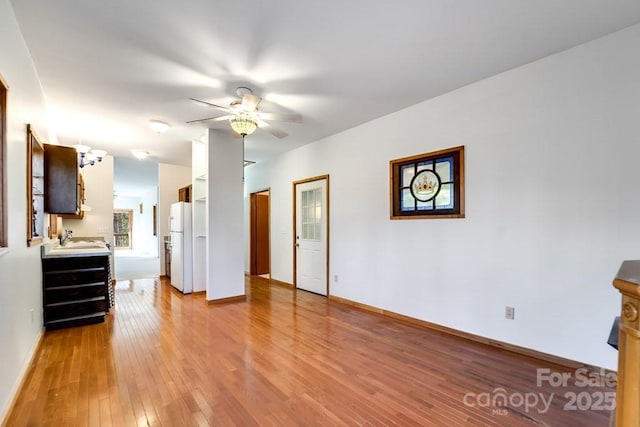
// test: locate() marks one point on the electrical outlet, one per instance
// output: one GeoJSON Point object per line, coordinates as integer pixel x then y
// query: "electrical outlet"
{"type": "Point", "coordinates": [335, 278]}
{"type": "Point", "coordinates": [31, 314]}
{"type": "Point", "coordinates": [509, 313]}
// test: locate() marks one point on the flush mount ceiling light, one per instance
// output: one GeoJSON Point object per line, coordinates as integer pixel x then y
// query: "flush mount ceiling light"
{"type": "Point", "coordinates": [140, 154]}
{"type": "Point", "coordinates": [87, 155]}
{"type": "Point", "coordinates": [158, 126]}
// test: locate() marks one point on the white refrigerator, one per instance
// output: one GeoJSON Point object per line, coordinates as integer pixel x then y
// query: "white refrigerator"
{"type": "Point", "coordinates": [181, 233]}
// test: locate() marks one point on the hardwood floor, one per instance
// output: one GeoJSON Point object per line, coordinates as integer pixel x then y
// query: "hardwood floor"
{"type": "Point", "coordinates": [280, 358]}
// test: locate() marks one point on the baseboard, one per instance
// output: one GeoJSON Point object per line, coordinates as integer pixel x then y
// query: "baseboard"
{"type": "Point", "coordinates": [23, 376]}
{"type": "Point", "coordinates": [227, 300]}
{"type": "Point", "coordinates": [568, 363]}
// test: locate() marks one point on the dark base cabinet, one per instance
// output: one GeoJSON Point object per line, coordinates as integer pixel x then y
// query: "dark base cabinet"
{"type": "Point", "coordinates": [76, 290]}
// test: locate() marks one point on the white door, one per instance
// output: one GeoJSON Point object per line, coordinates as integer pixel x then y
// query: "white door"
{"type": "Point", "coordinates": [311, 236]}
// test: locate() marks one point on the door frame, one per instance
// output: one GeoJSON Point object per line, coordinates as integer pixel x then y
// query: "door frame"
{"type": "Point", "coordinates": [293, 245]}
{"type": "Point", "coordinates": [253, 235]}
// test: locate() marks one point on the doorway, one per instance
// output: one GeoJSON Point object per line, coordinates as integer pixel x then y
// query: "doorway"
{"type": "Point", "coordinates": [311, 234]}
{"type": "Point", "coordinates": [260, 223]}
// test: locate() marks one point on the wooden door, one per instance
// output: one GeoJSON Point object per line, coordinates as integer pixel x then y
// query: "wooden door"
{"type": "Point", "coordinates": [260, 233]}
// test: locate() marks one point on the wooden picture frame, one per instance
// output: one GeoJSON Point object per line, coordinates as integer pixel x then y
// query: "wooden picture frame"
{"type": "Point", "coordinates": [35, 188]}
{"type": "Point", "coordinates": [4, 208]}
{"type": "Point", "coordinates": [429, 185]}
{"type": "Point", "coordinates": [155, 220]}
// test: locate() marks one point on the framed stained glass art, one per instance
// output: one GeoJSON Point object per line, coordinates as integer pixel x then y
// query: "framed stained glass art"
{"type": "Point", "coordinates": [429, 185]}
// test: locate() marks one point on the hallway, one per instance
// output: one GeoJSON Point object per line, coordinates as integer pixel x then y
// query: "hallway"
{"type": "Point", "coordinates": [131, 265]}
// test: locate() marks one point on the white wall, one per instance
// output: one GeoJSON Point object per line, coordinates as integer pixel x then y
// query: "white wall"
{"type": "Point", "coordinates": [551, 203]}
{"type": "Point", "coordinates": [199, 169]}
{"type": "Point", "coordinates": [98, 193]}
{"type": "Point", "coordinates": [20, 268]}
{"type": "Point", "coordinates": [225, 270]}
{"type": "Point", "coordinates": [170, 179]}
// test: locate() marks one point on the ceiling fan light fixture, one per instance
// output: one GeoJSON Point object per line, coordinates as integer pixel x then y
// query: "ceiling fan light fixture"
{"type": "Point", "coordinates": [243, 124]}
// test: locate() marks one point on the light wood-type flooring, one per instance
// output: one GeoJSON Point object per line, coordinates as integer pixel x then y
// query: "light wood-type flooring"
{"type": "Point", "coordinates": [280, 358]}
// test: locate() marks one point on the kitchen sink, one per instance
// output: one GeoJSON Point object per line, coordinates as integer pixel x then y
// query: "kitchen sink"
{"type": "Point", "coordinates": [82, 245]}
{"type": "Point", "coordinates": [76, 248]}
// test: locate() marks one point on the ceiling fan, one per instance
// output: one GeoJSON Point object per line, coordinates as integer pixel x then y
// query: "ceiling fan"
{"type": "Point", "coordinates": [244, 117]}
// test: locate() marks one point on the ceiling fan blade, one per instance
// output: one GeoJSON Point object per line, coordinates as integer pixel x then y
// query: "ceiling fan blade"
{"type": "Point", "coordinates": [201, 120]}
{"type": "Point", "coordinates": [213, 119]}
{"type": "Point", "coordinates": [273, 131]}
{"type": "Point", "coordinates": [222, 118]}
{"type": "Point", "coordinates": [211, 105]}
{"type": "Point", "coordinates": [250, 101]}
{"type": "Point", "coordinates": [295, 118]}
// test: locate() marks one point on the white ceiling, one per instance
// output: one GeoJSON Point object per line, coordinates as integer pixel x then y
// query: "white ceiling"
{"type": "Point", "coordinates": [108, 67]}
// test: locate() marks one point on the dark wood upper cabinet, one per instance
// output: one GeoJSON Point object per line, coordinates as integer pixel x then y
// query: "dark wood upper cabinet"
{"type": "Point", "coordinates": [184, 193]}
{"type": "Point", "coordinates": [80, 212]}
{"type": "Point", "coordinates": [61, 180]}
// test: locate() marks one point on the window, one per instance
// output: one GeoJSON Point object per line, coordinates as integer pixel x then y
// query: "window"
{"type": "Point", "coordinates": [312, 214]}
{"type": "Point", "coordinates": [122, 225]}
{"type": "Point", "coordinates": [428, 185]}
{"type": "Point", "coordinates": [3, 163]}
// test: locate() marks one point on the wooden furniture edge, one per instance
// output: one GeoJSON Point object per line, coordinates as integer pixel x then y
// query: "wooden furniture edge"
{"type": "Point", "coordinates": [472, 337]}
{"type": "Point", "coordinates": [628, 288]}
{"type": "Point", "coordinates": [628, 284]}
{"type": "Point", "coordinates": [227, 300]}
{"type": "Point", "coordinates": [12, 402]}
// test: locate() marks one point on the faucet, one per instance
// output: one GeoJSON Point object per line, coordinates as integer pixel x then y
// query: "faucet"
{"type": "Point", "coordinates": [66, 235]}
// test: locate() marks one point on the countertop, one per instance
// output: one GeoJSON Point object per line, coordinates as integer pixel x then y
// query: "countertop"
{"type": "Point", "coordinates": [75, 248]}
